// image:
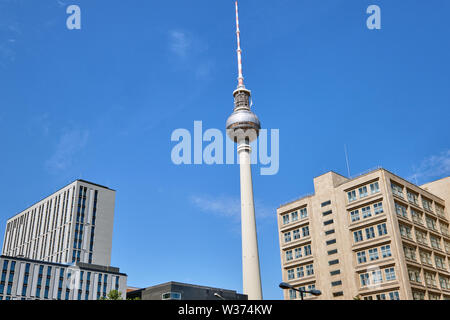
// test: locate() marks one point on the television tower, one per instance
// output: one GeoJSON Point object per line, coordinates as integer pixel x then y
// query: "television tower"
{"type": "Point", "coordinates": [243, 127]}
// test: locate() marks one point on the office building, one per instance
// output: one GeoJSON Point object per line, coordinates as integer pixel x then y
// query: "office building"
{"type": "Point", "coordinates": [26, 279]}
{"type": "Point", "coordinates": [183, 291]}
{"type": "Point", "coordinates": [60, 247]}
{"type": "Point", "coordinates": [376, 236]}
{"type": "Point", "coordinates": [74, 224]}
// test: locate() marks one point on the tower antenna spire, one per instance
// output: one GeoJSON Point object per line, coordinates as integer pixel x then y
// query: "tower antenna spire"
{"type": "Point", "coordinates": [239, 51]}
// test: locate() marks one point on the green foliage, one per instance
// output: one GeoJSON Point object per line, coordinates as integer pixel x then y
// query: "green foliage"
{"type": "Point", "coordinates": [113, 295]}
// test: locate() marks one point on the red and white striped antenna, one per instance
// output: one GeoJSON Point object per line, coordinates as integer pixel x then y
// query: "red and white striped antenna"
{"type": "Point", "coordinates": [239, 51]}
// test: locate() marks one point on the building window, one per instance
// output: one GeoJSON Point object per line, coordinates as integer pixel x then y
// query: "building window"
{"type": "Point", "coordinates": [294, 216]}
{"type": "Point", "coordinates": [171, 296]}
{"type": "Point", "coordinates": [417, 217]}
{"type": "Point", "coordinates": [331, 242]}
{"type": "Point", "coordinates": [328, 222]}
{"type": "Point", "coordinates": [307, 250]}
{"type": "Point", "coordinates": [336, 283]}
{"type": "Point", "coordinates": [361, 256]}
{"type": "Point", "coordinates": [351, 196]}
{"type": "Point", "coordinates": [296, 234]}
{"type": "Point", "coordinates": [354, 215]}
{"type": "Point", "coordinates": [338, 294]}
{"type": "Point", "coordinates": [362, 192]}
{"type": "Point", "coordinates": [335, 272]}
{"type": "Point", "coordinates": [370, 233]}
{"type": "Point", "coordinates": [286, 219]}
{"type": "Point", "coordinates": [305, 231]}
{"type": "Point", "coordinates": [440, 262]}
{"type": "Point", "coordinates": [327, 233]}
{"type": "Point", "coordinates": [426, 204]}
{"type": "Point", "coordinates": [373, 254]}
{"type": "Point", "coordinates": [397, 190]}
{"type": "Point", "coordinates": [289, 255]}
{"type": "Point", "coordinates": [309, 270]}
{"type": "Point", "coordinates": [300, 272]}
{"type": "Point", "coordinates": [394, 295]}
{"type": "Point", "coordinates": [382, 230]}
{"type": "Point", "coordinates": [364, 279]}
{"type": "Point", "coordinates": [298, 253]}
{"type": "Point", "coordinates": [333, 262]}
{"type": "Point", "coordinates": [401, 210]}
{"type": "Point", "coordinates": [418, 295]}
{"type": "Point", "coordinates": [405, 231]}
{"type": "Point", "coordinates": [390, 274]}
{"type": "Point", "coordinates": [381, 296]}
{"type": "Point", "coordinates": [291, 274]}
{"type": "Point", "coordinates": [377, 276]}
{"type": "Point", "coordinates": [421, 237]}
{"type": "Point", "coordinates": [357, 235]}
{"type": "Point", "coordinates": [435, 242]}
{"type": "Point", "coordinates": [303, 213]}
{"type": "Point", "coordinates": [326, 203]}
{"type": "Point", "coordinates": [327, 213]}
{"type": "Point", "coordinates": [292, 294]}
{"type": "Point", "coordinates": [410, 253]}
{"type": "Point", "coordinates": [366, 212]}
{"type": "Point", "coordinates": [287, 237]}
{"type": "Point", "coordinates": [334, 251]}
{"type": "Point", "coordinates": [378, 208]}
{"type": "Point", "coordinates": [374, 188]}
{"type": "Point", "coordinates": [431, 223]}
{"type": "Point", "coordinates": [412, 197]}
{"type": "Point", "coordinates": [386, 251]}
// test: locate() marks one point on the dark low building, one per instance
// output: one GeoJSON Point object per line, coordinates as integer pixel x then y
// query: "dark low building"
{"type": "Point", "coordinates": [183, 291]}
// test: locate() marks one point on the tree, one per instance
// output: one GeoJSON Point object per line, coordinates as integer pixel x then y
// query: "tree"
{"type": "Point", "coordinates": [113, 295]}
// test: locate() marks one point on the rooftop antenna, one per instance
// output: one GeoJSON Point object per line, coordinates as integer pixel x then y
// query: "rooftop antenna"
{"type": "Point", "coordinates": [239, 51]}
{"type": "Point", "coordinates": [346, 159]}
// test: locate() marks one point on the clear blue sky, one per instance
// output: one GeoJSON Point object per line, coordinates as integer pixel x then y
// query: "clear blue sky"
{"type": "Point", "coordinates": [101, 103]}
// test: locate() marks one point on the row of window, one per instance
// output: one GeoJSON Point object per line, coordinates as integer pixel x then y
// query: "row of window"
{"type": "Point", "coordinates": [373, 254]}
{"type": "Point", "coordinates": [377, 277]}
{"type": "Point", "coordinates": [299, 253]}
{"type": "Point", "coordinates": [369, 233]}
{"type": "Point", "coordinates": [294, 216]}
{"type": "Point", "coordinates": [296, 234]}
{"type": "Point", "coordinates": [422, 238]}
{"type": "Point", "coordinates": [393, 295]}
{"type": "Point", "coordinates": [300, 272]}
{"type": "Point", "coordinates": [413, 198]}
{"type": "Point", "coordinates": [366, 212]}
{"type": "Point", "coordinates": [294, 294]}
{"type": "Point", "coordinates": [415, 275]}
{"type": "Point", "coordinates": [425, 257]}
{"type": "Point", "coordinates": [417, 217]}
{"type": "Point", "coordinates": [363, 192]}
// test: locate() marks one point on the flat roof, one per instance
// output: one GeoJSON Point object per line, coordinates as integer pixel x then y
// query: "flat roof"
{"type": "Point", "coordinates": [362, 175]}
{"type": "Point", "coordinates": [84, 266]}
{"type": "Point", "coordinates": [77, 180]}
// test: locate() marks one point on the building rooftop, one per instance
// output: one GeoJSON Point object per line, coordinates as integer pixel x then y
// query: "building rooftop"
{"type": "Point", "coordinates": [80, 180]}
{"type": "Point", "coordinates": [357, 177]}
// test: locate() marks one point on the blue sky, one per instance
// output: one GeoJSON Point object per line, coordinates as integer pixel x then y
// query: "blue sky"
{"type": "Point", "coordinates": [101, 103]}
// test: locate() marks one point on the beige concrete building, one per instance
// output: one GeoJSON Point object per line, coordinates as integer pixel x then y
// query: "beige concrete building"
{"type": "Point", "coordinates": [376, 236]}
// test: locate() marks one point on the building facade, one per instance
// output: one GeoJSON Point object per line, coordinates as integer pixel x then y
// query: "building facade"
{"type": "Point", "coordinates": [183, 291]}
{"type": "Point", "coordinates": [75, 224]}
{"type": "Point", "coordinates": [26, 279]}
{"type": "Point", "coordinates": [376, 236]}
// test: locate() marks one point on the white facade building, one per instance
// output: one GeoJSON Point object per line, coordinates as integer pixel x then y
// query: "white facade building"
{"type": "Point", "coordinates": [25, 279]}
{"type": "Point", "coordinates": [74, 224]}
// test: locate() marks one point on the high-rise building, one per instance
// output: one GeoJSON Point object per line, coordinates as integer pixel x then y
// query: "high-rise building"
{"type": "Point", "coordinates": [243, 127]}
{"type": "Point", "coordinates": [74, 224]}
{"type": "Point", "coordinates": [376, 236]}
{"type": "Point", "coordinates": [60, 247]}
